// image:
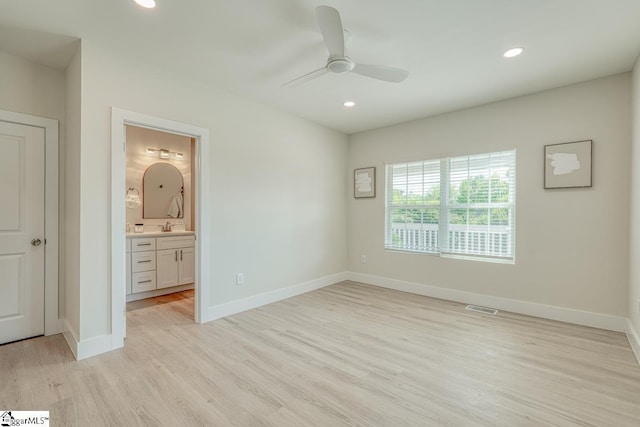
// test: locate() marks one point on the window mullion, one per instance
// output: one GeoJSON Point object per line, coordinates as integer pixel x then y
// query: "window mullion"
{"type": "Point", "coordinates": [443, 222]}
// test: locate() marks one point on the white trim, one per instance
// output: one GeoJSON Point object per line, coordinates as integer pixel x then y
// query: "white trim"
{"type": "Point", "coordinates": [120, 118]}
{"type": "Point", "coordinates": [71, 337]}
{"type": "Point", "coordinates": [87, 348]}
{"type": "Point", "coordinates": [578, 317]}
{"type": "Point", "coordinates": [95, 346]}
{"type": "Point", "coordinates": [634, 339]}
{"type": "Point", "coordinates": [52, 322]}
{"type": "Point", "coordinates": [238, 306]}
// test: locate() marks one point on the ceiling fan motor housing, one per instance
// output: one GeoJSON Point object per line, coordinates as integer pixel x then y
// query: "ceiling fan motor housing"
{"type": "Point", "coordinates": [340, 65]}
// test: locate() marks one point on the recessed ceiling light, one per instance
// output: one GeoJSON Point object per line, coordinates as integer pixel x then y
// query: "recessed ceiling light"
{"type": "Point", "coordinates": [513, 52]}
{"type": "Point", "coordinates": [349, 104]}
{"type": "Point", "coordinates": [149, 4]}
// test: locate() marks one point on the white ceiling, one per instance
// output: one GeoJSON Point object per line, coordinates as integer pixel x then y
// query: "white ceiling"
{"type": "Point", "coordinates": [452, 48]}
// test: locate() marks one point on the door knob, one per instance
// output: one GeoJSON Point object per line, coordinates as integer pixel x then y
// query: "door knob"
{"type": "Point", "coordinates": [36, 242]}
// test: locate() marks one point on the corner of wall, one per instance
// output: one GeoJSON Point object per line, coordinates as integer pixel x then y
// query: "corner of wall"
{"type": "Point", "coordinates": [90, 347]}
{"type": "Point", "coordinates": [237, 306]}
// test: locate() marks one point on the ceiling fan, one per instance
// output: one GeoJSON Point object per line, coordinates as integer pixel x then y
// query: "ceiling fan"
{"type": "Point", "coordinates": [333, 33]}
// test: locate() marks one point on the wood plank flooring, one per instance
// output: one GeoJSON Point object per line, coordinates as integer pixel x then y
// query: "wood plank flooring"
{"type": "Point", "coordinates": [348, 354]}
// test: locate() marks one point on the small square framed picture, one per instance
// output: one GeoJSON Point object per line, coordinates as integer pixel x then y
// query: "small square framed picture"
{"type": "Point", "coordinates": [364, 182]}
{"type": "Point", "coordinates": [568, 165]}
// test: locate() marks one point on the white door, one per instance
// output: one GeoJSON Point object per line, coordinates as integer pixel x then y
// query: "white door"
{"type": "Point", "coordinates": [22, 173]}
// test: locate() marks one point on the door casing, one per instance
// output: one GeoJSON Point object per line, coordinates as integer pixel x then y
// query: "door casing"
{"type": "Point", "coordinates": [119, 119]}
{"type": "Point", "coordinates": [53, 324]}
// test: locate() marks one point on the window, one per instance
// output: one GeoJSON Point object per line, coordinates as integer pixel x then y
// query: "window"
{"type": "Point", "coordinates": [453, 206]}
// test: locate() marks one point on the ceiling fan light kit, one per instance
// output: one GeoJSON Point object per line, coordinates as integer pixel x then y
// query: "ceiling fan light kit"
{"type": "Point", "coordinates": [333, 32]}
{"type": "Point", "coordinates": [513, 52]}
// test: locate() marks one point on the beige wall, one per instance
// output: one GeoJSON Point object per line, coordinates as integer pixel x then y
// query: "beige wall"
{"type": "Point", "coordinates": [278, 198]}
{"type": "Point", "coordinates": [571, 245]}
{"type": "Point", "coordinates": [634, 264]}
{"type": "Point", "coordinates": [138, 139]}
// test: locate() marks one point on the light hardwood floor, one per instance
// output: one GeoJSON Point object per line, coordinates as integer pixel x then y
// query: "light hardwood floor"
{"type": "Point", "coordinates": [348, 354]}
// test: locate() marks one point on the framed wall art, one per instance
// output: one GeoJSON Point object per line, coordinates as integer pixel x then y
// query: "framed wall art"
{"type": "Point", "coordinates": [568, 165]}
{"type": "Point", "coordinates": [364, 182]}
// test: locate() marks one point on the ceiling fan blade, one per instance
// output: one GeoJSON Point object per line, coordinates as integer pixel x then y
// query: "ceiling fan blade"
{"type": "Point", "coordinates": [332, 31]}
{"type": "Point", "coordinates": [381, 72]}
{"type": "Point", "coordinates": [307, 77]}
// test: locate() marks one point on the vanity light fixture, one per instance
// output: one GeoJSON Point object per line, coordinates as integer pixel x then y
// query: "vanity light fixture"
{"type": "Point", "coordinates": [163, 153]}
{"type": "Point", "coordinates": [513, 52]}
{"type": "Point", "coordinates": [147, 4]}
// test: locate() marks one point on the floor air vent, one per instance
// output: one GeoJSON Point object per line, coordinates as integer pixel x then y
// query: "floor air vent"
{"type": "Point", "coordinates": [485, 310]}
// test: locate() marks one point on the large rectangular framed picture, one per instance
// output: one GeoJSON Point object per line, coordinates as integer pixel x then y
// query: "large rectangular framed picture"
{"type": "Point", "coordinates": [568, 165]}
{"type": "Point", "coordinates": [364, 182]}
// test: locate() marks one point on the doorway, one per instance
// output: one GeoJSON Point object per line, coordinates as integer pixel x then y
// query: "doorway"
{"type": "Point", "coordinates": [120, 119]}
{"type": "Point", "coordinates": [160, 201]}
{"type": "Point", "coordinates": [28, 227]}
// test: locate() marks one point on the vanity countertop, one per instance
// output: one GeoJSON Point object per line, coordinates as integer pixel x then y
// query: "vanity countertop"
{"type": "Point", "coordinates": [161, 233]}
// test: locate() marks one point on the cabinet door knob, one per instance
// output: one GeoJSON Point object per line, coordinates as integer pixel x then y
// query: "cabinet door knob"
{"type": "Point", "coordinates": [180, 254]}
{"type": "Point", "coordinates": [176, 253]}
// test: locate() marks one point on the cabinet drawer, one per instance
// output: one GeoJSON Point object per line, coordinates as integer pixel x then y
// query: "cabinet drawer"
{"type": "Point", "coordinates": [143, 261]}
{"type": "Point", "coordinates": [139, 245]}
{"type": "Point", "coordinates": [144, 281]}
{"type": "Point", "coordinates": [175, 242]}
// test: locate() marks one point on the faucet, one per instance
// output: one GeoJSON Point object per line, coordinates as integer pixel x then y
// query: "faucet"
{"type": "Point", "coordinates": [167, 227]}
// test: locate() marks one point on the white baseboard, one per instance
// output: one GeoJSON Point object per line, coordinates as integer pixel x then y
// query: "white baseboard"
{"type": "Point", "coordinates": [238, 306]}
{"type": "Point", "coordinates": [634, 339]}
{"type": "Point", "coordinates": [70, 336]}
{"type": "Point", "coordinates": [578, 317]}
{"type": "Point", "coordinates": [87, 348]}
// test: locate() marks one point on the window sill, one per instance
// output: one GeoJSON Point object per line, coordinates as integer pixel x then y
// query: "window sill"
{"type": "Point", "coordinates": [479, 258]}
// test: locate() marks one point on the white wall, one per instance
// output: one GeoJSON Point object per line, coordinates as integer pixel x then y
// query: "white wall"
{"type": "Point", "coordinates": [29, 88]}
{"type": "Point", "coordinates": [571, 245]}
{"type": "Point", "coordinates": [138, 139]}
{"type": "Point", "coordinates": [634, 264]}
{"type": "Point", "coordinates": [277, 183]}
{"type": "Point", "coordinates": [70, 170]}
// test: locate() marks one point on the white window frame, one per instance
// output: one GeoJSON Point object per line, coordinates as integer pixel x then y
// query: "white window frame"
{"type": "Point", "coordinates": [505, 252]}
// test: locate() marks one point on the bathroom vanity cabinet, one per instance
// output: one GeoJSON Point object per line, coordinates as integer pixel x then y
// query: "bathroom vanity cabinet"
{"type": "Point", "coordinates": [158, 265]}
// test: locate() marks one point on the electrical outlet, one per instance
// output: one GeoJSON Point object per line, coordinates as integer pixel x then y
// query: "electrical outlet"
{"type": "Point", "coordinates": [240, 279]}
{"type": "Point", "coordinates": [363, 259]}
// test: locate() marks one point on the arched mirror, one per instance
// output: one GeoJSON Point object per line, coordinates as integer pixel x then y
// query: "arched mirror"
{"type": "Point", "coordinates": [162, 192]}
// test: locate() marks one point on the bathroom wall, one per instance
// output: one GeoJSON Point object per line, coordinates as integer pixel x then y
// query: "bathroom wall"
{"type": "Point", "coordinates": [138, 139]}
